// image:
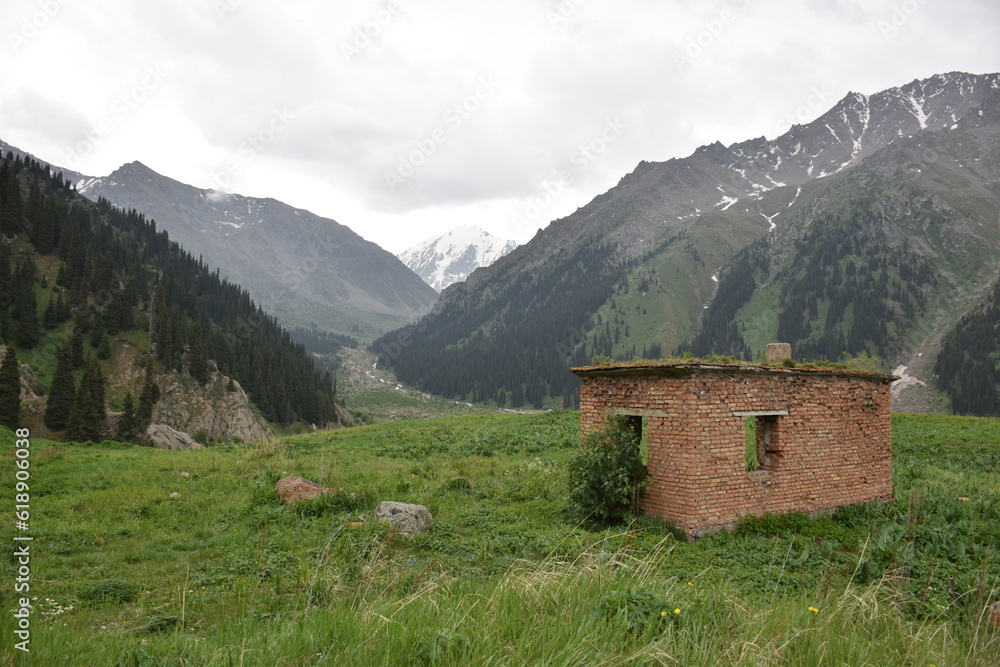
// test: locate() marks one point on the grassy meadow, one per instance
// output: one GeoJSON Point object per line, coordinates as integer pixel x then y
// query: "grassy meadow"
{"type": "Point", "coordinates": [122, 574]}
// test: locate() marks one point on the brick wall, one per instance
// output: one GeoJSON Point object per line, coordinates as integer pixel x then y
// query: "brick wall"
{"type": "Point", "coordinates": [831, 449]}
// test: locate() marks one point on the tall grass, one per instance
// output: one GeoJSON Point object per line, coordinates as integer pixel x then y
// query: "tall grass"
{"type": "Point", "coordinates": [226, 575]}
{"type": "Point", "coordinates": [554, 612]}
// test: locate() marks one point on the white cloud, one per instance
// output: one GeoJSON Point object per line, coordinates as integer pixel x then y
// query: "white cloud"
{"type": "Point", "coordinates": [372, 87]}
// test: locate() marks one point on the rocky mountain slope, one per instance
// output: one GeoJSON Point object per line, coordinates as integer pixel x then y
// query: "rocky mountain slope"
{"type": "Point", "coordinates": [632, 272]}
{"type": "Point", "coordinates": [451, 257]}
{"type": "Point", "coordinates": [306, 270]}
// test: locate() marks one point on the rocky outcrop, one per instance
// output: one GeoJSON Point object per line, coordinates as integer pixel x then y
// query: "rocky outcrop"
{"type": "Point", "coordinates": [220, 408]}
{"type": "Point", "coordinates": [406, 518]}
{"type": "Point", "coordinates": [162, 436]}
{"type": "Point", "coordinates": [32, 391]}
{"type": "Point", "coordinates": [31, 388]}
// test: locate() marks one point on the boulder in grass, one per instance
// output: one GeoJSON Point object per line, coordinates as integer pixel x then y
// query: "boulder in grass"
{"type": "Point", "coordinates": [406, 518]}
{"type": "Point", "coordinates": [294, 489]}
{"type": "Point", "coordinates": [162, 436]}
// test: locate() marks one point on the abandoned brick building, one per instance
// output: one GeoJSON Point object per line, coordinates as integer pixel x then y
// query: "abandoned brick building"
{"type": "Point", "coordinates": [822, 437]}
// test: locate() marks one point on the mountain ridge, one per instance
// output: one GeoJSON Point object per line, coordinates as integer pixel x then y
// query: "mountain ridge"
{"type": "Point", "coordinates": [308, 271]}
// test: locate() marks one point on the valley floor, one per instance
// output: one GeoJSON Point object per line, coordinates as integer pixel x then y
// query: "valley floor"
{"type": "Point", "coordinates": [377, 396]}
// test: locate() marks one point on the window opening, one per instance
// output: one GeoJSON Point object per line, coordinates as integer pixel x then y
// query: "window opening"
{"type": "Point", "coordinates": [758, 440]}
{"type": "Point", "coordinates": [758, 433]}
{"type": "Point", "coordinates": [637, 425]}
{"type": "Point", "coordinates": [752, 461]}
{"type": "Point", "coordinates": [644, 441]}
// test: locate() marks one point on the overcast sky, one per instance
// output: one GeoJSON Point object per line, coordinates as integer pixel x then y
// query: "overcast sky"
{"type": "Point", "coordinates": [404, 118]}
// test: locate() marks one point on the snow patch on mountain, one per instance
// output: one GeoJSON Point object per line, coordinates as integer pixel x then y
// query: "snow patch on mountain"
{"type": "Point", "coordinates": [451, 257]}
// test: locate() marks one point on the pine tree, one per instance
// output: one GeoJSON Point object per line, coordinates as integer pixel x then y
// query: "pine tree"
{"type": "Point", "coordinates": [164, 340]}
{"type": "Point", "coordinates": [127, 427]}
{"type": "Point", "coordinates": [12, 210]}
{"type": "Point", "coordinates": [178, 327]}
{"type": "Point", "coordinates": [98, 335]}
{"type": "Point", "coordinates": [76, 344]}
{"type": "Point", "coordinates": [198, 364]}
{"type": "Point", "coordinates": [6, 287]}
{"type": "Point", "coordinates": [44, 235]}
{"type": "Point", "coordinates": [10, 391]}
{"type": "Point", "coordinates": [59, 403]}
{"type": "Point", "coordinates": [87, 418]}
{"type": "Point", "coordinates": [147, 400]}
{"type": "Point", "coordinates": [50, 320]}
{"type": "Point", "coordinates": [27, 330]}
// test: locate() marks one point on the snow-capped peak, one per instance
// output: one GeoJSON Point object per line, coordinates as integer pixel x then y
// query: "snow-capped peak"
{"type": "Point", "coordinates": [450, 257]}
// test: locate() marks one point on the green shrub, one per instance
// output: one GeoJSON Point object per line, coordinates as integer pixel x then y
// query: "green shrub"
{"type": "Point", "coordinates": [163, 623]}
{"type": "Point", "coordinates": [114, 591]}
{"type": "Point", "coordinates": [607, 474]}
{"type": "Point", "coordinates": [459, 484]}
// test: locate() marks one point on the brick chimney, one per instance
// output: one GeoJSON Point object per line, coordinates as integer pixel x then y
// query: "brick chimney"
{"type": "Point", "coordinates": [778, 351]}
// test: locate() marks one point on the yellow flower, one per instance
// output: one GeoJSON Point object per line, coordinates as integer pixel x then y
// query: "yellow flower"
{"type": "Point", "coordinates": [813, 610]}
{"type": "Point", "coordinates": [690, 584]}
{"type": "Point", "coordinates": [663, 613]}
{"type": "Point", "coordinates": [677, 611]}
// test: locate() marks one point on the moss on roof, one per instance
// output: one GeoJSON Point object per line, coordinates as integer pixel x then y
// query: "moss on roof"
{"type": "Point", "coordinates": [864, 366]}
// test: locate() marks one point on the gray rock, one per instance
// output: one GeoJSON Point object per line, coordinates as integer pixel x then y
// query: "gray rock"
{"type": "Point", "coordinates": [410, 519]}
{"type": "Point", "coordinates": [162, 436]}
{"type": "Point", "coordinates": [188, 406]}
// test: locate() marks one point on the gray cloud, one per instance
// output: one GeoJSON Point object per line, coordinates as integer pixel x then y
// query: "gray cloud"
{"type": "Point", "coordinates": [379, 88]}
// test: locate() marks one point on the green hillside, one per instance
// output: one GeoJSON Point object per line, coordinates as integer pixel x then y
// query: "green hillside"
{"type": "Point", "coordinates": [104, 295]}
{"type": "Point", "coordinates": [223, 575]}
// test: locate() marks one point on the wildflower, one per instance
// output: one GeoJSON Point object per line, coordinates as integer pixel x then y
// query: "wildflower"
{"type": "Point", "coordinates": [677, 611]}
{"type": "Point", "coordinates": [814, 610]}
{"type": "Point", "coordinates": [690, 584]}
{"type": "Point", "coordinates": [663, 613]}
